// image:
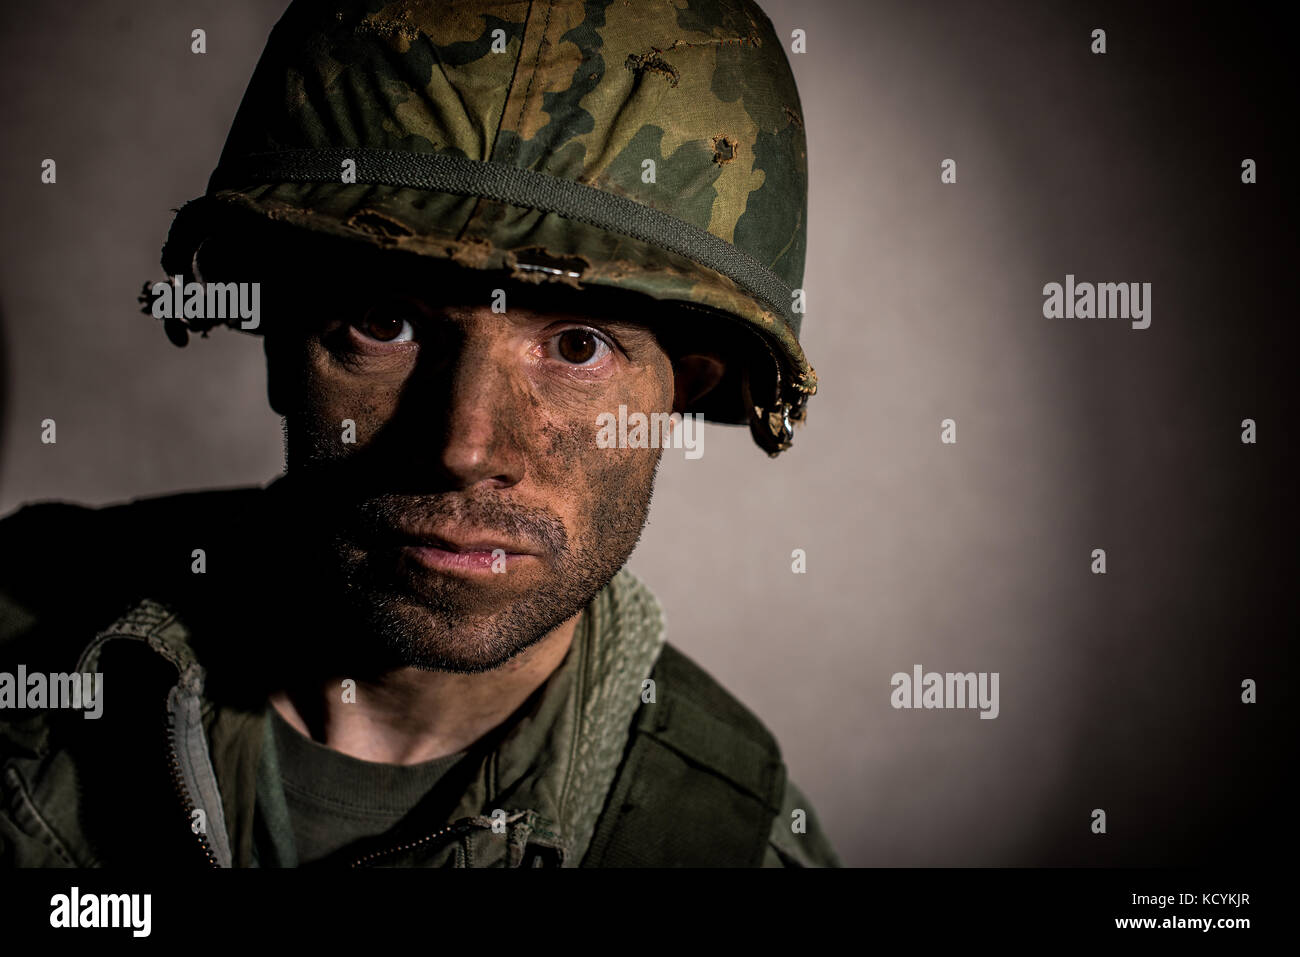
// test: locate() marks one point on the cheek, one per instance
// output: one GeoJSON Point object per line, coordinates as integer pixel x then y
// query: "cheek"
{"type": "Point", "coordinates": [601, 493]}
{"type": "Point", "coordinates": [332, 394]}
{"type": "Point", "coordinates": [565, 448]}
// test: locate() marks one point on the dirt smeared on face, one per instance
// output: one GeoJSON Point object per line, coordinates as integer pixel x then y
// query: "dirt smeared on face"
{"type": "Point", "coordinates": [476, 433]}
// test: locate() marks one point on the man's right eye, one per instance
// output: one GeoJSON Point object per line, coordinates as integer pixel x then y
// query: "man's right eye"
{"type": "Point", "coordinates": [388, 322]}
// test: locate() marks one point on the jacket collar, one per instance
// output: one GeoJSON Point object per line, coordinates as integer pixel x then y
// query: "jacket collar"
{"type": "Point", "coordinates": [559, 761]}
{"type": "Point", "coordinates": [546, 779]}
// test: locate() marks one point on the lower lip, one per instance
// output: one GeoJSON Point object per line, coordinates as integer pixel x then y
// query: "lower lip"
{"type": "Point", "coordinates": [442, 560]}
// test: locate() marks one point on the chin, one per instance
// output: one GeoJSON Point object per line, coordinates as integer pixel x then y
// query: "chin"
{"type": "Point", "coordinates": [444, 637]}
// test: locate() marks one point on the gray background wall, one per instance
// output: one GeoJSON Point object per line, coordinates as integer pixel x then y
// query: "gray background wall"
{"type": "Point", "coordinates": [1118, 691]}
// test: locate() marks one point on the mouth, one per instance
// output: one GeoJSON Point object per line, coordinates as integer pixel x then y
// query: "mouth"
{"type": "Point", "coordinates": [463, 551]}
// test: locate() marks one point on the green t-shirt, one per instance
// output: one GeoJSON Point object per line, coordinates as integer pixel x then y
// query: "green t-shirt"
{"type": "Point", "coordinates": [329, 799]}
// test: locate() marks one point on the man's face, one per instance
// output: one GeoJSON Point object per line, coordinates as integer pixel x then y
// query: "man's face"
{"type": "Point", "coordinates": [474, 511]}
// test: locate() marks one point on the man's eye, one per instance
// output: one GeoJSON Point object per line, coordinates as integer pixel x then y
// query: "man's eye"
{"type": "Point", "coordinates": [580, 347]}
{"type": "Point", "coordinates": [387, 323]}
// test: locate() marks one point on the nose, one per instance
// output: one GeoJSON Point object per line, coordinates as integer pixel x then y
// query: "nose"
{"type": "Point", "coordinates": [484, 413]}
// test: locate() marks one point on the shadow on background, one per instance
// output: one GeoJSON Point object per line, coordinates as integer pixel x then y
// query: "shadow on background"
{"type": "Point", "coordinates": [1121, 692]}
{"type": "Point", "coordinates": [4, 392]}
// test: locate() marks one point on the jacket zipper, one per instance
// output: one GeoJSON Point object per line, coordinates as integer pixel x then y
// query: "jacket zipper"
{"type": "Point", "coordinates": [187, 806]}
{"type": "Point", "coordinates": [174, 763]}
{"type": "Point", "coordinates": [404, 847]}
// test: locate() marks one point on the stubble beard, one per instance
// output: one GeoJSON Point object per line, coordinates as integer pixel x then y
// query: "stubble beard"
{"type": "Point", "coordinates": [441, 622]}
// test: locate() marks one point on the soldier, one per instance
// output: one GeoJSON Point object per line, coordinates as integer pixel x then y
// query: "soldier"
{"type": "Point", "coordinates": [467, 233]}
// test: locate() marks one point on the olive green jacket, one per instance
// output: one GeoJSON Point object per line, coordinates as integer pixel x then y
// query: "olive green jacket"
{"type": "Point", "coordinates": [169, 773]}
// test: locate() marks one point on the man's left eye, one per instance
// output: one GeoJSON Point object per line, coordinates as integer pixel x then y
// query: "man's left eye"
{"type": "Point", "coordinates": [579, 347]}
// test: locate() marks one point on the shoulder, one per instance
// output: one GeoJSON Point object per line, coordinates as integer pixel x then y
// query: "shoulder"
{"type": "Point", "coordinates": [703, 784]}
{"type": "Point", "coordinates": [796, 838]}
{"type": "Point", "coordinates": [65, 566]}
{"type": "Point", "coordinates": [710, 711]}
{"type": "Point", "coordinates": [30, 531]}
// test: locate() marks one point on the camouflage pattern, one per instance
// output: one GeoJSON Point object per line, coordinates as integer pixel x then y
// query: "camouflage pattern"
{"type": "Point", "coordinates": [581, 91]}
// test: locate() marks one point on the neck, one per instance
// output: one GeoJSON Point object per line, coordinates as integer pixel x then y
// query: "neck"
{"type": "Point", "coordinates": [406, 716]}
{"type": "Point", "coordinates": [393, 715]}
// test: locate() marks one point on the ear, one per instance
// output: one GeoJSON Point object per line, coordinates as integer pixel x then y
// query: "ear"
{"type": "Point", "coordinates": [693, 376]}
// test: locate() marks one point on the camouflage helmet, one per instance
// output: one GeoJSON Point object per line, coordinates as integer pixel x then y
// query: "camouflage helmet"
{"type": "Point", "coordinates": [653, 146]}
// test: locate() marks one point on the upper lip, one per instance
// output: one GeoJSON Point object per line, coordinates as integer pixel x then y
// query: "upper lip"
{"type": "Point", "coordinates": [461, 540]}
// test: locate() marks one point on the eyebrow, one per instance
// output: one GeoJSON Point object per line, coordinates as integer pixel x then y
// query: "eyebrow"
{"type": "Point", "coordinates": [536, 314]}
